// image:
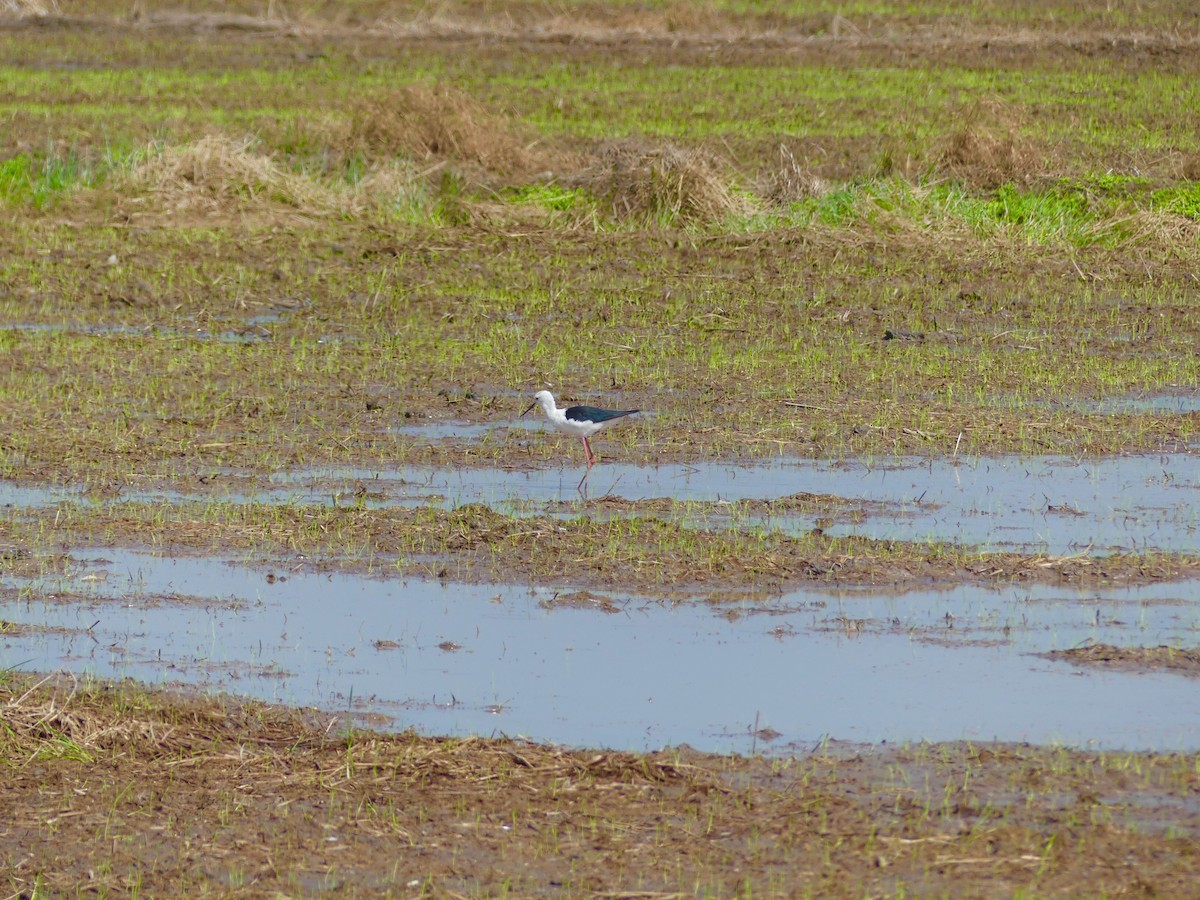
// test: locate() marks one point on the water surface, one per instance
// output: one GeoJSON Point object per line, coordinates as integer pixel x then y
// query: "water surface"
{"type": "Point", "coordinates": [486, 659]}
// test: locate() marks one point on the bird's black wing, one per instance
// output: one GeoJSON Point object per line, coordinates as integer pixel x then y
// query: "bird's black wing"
{"type": "Point", "coordinates": [595, 414]}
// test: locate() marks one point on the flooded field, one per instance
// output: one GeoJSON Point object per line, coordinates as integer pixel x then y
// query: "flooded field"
{"type": "Point", "coordinates": [697, 669]}
{"type": "Point", "coordinates": [1042, 504]}
{"type": "Point", "coordinates": [636, 671]}
{"type": "Point", "coordinates": [890, 589]}
{"type": "Point", "coordinates": [1048, 504]}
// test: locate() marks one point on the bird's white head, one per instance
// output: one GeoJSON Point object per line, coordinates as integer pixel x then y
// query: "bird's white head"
{"type": "Point", "coordinates": [545, 400]}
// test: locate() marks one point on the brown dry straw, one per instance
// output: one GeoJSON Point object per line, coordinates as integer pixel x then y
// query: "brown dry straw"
{"type": "Point", "coordinates": [1189, 167]}
{"type": "Point", "coordinates": [40, 724]}
{"type": "Point", "coordinates": [793, 180]}
{"type": "Point", "coordinates": [216, 174]}
{"type": "Point", "coordinates": [1177, 659]}
{"type": "Point", "coordinates": [988, 150]}
{"type": "Point", "coordinates": [29, 8]}
{"type": "Point", "coordinates": [661, 183]}
{"type": "Point", "coordinates": [431, 124]}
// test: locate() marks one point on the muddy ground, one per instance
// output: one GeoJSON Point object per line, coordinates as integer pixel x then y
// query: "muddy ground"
{"type": "Point", "coordinates": [114, 790]}
{"type": "Point", "coordinates": [1176, 659]}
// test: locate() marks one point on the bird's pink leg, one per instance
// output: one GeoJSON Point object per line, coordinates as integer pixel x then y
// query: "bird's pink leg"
{"type": "Point", "coordinates": [591, 457]}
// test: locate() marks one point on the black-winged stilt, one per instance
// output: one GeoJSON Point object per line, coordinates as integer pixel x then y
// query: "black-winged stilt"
{"type": "Point", "coordinates": [578, 421]}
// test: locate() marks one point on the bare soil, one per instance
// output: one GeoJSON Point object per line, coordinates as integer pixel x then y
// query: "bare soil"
{"type": "Point", "coordinates": [113, 790]}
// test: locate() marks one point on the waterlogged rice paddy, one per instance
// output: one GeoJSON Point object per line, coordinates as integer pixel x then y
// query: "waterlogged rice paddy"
{"type": "Point", "coordinates": [490, 659]}
{"type": "Point", "coordinates": [1048, 504]}
{"type": "Point", "coordinates": [892, 589]}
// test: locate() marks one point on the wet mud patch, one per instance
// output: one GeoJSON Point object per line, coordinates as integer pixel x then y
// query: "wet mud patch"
{"type": "Point", "coordinates": [1050, 504]}
{"type": "Point", "coordinates": [1178, 660]}
{"type": "Point", "coordinates": [231, 673]}
{"type": "Point", "coordinates": [244, 331]}
{"type": "Point", "coordinates": [812, 509]}
{"type": "Point", "coordinates": [93, 591]}
{"type": "Point", "coordinates": [85, 760]}
{"type": "Point", "coordinates": [23, 562]}
{"type": "Point", "coordinates": [442, 430]}
{"type": "Point", "coordinates": [476, 543]}
{"type": "Point", "coordinates": [580, 600]}
{"type": "Point", "coordinates": [1164, 404]}
{"type": "Point", "coordinates": [949, 632]}
{"type": "Point", "coordinates": [18, 629]}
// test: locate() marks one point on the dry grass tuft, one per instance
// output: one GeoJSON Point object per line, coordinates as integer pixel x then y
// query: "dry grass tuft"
{"type": "Point", "coordinates": [216, 174]}
{"type": "Point", "coordinates": [29, 8]}
{"type": "Point", "coordinates": [57, 717]}
{"type": "Point", "coordinates": [664, 183]}
{"type": "Point", "coordinates": [431, 124]}
{"type": "Point", "coordinates": [678, 17]}
{"type": "Point", "coordinates": [670, 19]}
{"type": "Point", "coordinates": [793, 181]}
{"type": "Point", "coordinates": [988, 150]}
{"type": "Point", "coordinates": [1158, 229]}
{"type": "Point", "coordinates": [39, 724]}
{"type": "Point", "coordinates": [1190, 167]}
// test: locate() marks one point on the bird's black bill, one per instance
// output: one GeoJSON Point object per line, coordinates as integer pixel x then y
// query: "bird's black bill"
{"type": "Point", "coordinates": [531, 406]}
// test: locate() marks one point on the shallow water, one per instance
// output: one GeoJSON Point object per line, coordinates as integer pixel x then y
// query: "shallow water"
{"type": "Point", "coordinates": [465, 431]}
{"type": "Point", "coordinates": [1046, 504]}
{"type": "Point", "coordinates": [254, 330]}
{"type": "Point", "coordinates": [34, 497]}
{"type": "Point", "coordinates": [487, 659]}
{"type": "Point", "coordinates": [1141, 404]}
{"type": "Point", "coordinates": [1053, 505]}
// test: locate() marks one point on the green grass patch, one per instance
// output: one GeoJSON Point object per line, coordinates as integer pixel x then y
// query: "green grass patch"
{"type": "Point", "coordinates": [1072, 110]}
{"type": "Point", "coordinates": [1180, 200]}
{"type": "Point", "coordinates": [25, 180]}
{"type": "Point", "coordinates": [1053, 216]}
{"type": "Point", "coordinates": [549, 196]}
{"type": "Point", "coordinates": [1066, 215]}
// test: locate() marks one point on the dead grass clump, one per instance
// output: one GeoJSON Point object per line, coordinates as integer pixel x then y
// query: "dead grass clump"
{"type": "Point", "coordinates": [664, 184]}
{"type": "Point", "coordinates": [217, 174]}
{"type": "Point", "coordinates": [433, 124]}
{"type": "Point", "coordinates": [793, 181]}
{"type": "Point", "coordinates": [39, 724]}
{"type": "Point", "coordinates": [988, 150]}
{"type": "Point", "coordinates": [57, 717]}
{"type": "Point", "coordinates": [26, 9]}
{"type": "Point", "coordinates": [671, 19]}
{"type": "Point", "coordinates": [1159, 228]}
{"type": "Point", "coordinates": [1190, 167]}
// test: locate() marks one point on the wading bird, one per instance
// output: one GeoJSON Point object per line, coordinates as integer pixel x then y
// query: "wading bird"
{"type": "Point", "coordinates": [578, 421]}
